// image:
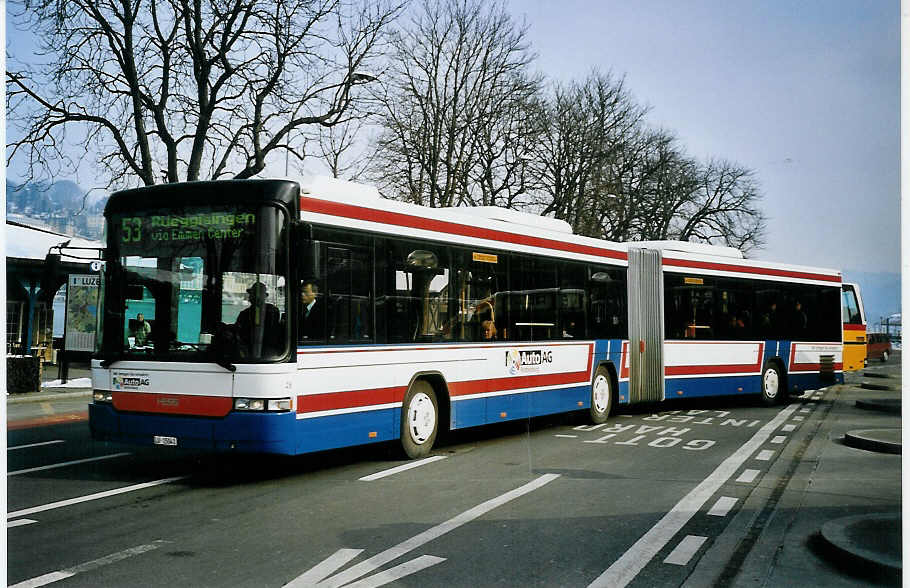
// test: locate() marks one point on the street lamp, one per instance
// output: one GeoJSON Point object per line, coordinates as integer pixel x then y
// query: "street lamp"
{"type": "Point", "coordinates": [361, 77]}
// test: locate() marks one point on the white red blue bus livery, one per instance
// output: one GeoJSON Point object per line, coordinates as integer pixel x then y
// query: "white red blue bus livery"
{"type": "Point", "coordinates": [288, 320]}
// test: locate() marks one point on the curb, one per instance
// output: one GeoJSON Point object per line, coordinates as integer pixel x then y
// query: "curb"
{"type": "Point", "coordinates": [880, 440]}
{"type": "Point", "coordinates": [42, 396]}
{"type": "Point", "coordinates": [882, 376]}
{"type": "Point", "coordinates": [874, 386]}
{"type": "Point", "coordinates": [869, 540]}
{"type": "Point", "coordinates": [889, 405]}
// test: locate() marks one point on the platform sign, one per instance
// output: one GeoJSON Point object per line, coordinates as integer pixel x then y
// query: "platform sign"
{"type": "Point", "coordinates": [82, 293]}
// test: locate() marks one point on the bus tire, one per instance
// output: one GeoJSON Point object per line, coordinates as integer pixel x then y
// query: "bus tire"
{"type": "Point", "coordinates": [419, 420]}
{"type": "Point", "coordinates": [772, 385]}
{"type": "Point", "coordinates": [601, 396]}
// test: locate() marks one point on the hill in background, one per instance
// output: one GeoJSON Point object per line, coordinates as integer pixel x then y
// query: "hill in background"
{"type": "Point", "coordinates": [61, 206]}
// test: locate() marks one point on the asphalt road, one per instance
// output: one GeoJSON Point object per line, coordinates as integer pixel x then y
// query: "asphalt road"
{"type": "Point", "coordinates": [549, 502]}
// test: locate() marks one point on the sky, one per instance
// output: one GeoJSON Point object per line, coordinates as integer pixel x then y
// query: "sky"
{"type": "Point", "coordinates": [806, 94]}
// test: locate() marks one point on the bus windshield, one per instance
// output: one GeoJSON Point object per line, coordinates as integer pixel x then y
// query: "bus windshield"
{"type": "Point", "coordinates": [197, 284]}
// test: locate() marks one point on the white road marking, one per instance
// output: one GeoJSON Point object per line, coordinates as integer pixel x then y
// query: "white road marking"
{"type": "Point", "coordinates": [722, 506]}
{"type": "Point", "coordinates": [643, 551]}
{"type": "Point", "coordinates": [799, 418]}
{"type": "Point", "coordinates": [379, 560]}
{"type": "Point", "coordinates": [20, 523]}
{"type": "Point", "coordinates": [683, 552]}
{"type": "Point", "coordinates": [778, 439]}
{"type": "Point", "coordinates": [401, 468]}
{"type": "Point", "coordinates": [788, 428]}
{"type": "Point", "coordinates": [589, 427]}
{"type": "Point", "coordinates": [567, 436]}
{"type": "Point", "coordinates": [399, 571]}
{"type": "Point", "coordinates": [602, 439]}
{"type": "Point", "coordinates": [66, 463]}
{"type": "Point", "coordinates": [764, 455]}
{"type": "Point", "coordinates": [748, 476]}
{"type": "Point", "coordinates": [96, 496]}
{"type": "Point", "coordinates": [805, 410]}
{"type": "Point", "coordinates": [326, 567]}
{"type": "Point", "coordinates": [87, 566]}
{"type": "Point", "coordinates": [36, 444]}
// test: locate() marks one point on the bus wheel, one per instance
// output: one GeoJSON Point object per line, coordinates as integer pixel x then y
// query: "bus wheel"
{"type": "Point", "coordinates": [419, 420]}
{"type": "Point", "coordinates": [771, 385]}
{"type": "Point", "coordinates": [601, 396]}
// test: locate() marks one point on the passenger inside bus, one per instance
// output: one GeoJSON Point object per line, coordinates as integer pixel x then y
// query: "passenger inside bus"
{"type": "Point", "coordinates": [800, 318]}
{"type": "Point", "coordinates": [258, 325]}
{"type": "Point", "coordinates": [312, 312]}
{"type": "Point", "coordinates": [488, 330]}
{"type": "Point", "coordinates": [139, 331]}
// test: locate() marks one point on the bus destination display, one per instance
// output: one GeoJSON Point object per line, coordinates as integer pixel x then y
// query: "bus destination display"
{"type": "Point", "coordinates": [187, 227]}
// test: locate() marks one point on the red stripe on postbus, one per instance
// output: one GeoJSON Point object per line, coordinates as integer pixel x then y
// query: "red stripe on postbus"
{"type": "Point", "coordinates": [416, 222]}
{"type": "Point", "coordinates": [750, 270]}
{"type": "Point", "coordinates": [851, 327]}
{"type": "Point", "coordinates": [208, 406]}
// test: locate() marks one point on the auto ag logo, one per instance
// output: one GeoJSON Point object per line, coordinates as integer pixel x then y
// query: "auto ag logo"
{"type": "Point", "coordinates": [513, 361]}
{"type": "Point", "coordinates": [527, 360]}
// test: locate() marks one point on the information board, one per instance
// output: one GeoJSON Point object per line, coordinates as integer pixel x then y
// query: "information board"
{"type": "Point", "coordinates": [81, 311]}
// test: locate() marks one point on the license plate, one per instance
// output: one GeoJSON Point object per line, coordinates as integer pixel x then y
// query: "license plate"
{"type": "Point", "coordinates": [159, 440]}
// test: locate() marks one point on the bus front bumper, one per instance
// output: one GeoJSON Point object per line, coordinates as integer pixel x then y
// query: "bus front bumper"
{"type": "Point", "coordinates": [241, 432]}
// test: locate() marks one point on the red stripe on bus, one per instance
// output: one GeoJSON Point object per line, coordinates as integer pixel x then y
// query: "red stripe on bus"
{"type": "Point", "coordinates": [851, 327]}
{"type": "Point", "coordinates": [452, 228]}
{"type": "Point", "coordinates": [352, 399]}
{"type": "Point", "coordinates": [692, 370]}
{"type": "Point", "coordinates": [516, 383]}
{"type": "Point", "coordinates": [750, 270]}
{"type": "Point", "coordinates": [813, 367]}
{"type": "Point", "coordinates": [210, 406]}
{"type": "Point", "coordinates": [378, 396]}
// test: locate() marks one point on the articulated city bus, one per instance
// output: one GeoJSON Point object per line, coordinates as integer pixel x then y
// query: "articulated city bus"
{"type": "Point", "coordinates": [287, 320]}
{"type": "Point", "coordinates": [854, 317]}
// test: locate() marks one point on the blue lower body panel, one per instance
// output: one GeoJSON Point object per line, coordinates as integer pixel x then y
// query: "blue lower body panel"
{"type": "Point", "coordinates": [496, 409]}
{"type": "Point", "coordinates": [345, 430]}
{"type": "Point", "coordinates": [700, 387]}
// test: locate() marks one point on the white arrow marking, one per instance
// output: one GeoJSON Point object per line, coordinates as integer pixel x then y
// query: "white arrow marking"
{"type": "Point", "coordinates": [399, 571]}
{"type": "Point", "coordinates": [324, 568]}
{"type": "Point", "coordinates": [379, 560]}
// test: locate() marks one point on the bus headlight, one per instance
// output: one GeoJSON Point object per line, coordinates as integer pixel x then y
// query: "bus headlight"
{"type": "Point", "coordinates": [102, 396]}
{"type": "Point", "coordinates": [278, 404]}
{"type": "Point", "coordinates": [263, 404]}
{"type": "Point", "coordinates": [249, 404]}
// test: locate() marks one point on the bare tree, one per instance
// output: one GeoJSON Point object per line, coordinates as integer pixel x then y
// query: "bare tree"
{"type": "Point", "coordinates": [600, 168]}
{"type": "Point", "coordinates": [456, 81]}
{"type": "Point", "coordinates": [723, 209]}
{"type": "Point", "coordinates": [344, 151]}
{"type": "Point", "coordinates": [589, 125]}
{"type": "Point", "coordinates": [179, 90]}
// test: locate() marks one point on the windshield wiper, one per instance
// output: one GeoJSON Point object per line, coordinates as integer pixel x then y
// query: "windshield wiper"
{"type": "Point", "coordinates": [225, 364]}
{"type": "Point", "coordinates": [106, 363]}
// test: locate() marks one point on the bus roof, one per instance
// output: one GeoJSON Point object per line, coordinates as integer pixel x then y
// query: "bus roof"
{"type": "Point", "coordinates": [347, 204]}
{"type": "Point", "coordinates": [358, 206]}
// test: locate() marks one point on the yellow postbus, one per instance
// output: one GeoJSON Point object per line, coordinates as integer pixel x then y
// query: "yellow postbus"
{"type": "Point", "coordinates": [854, 318]}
